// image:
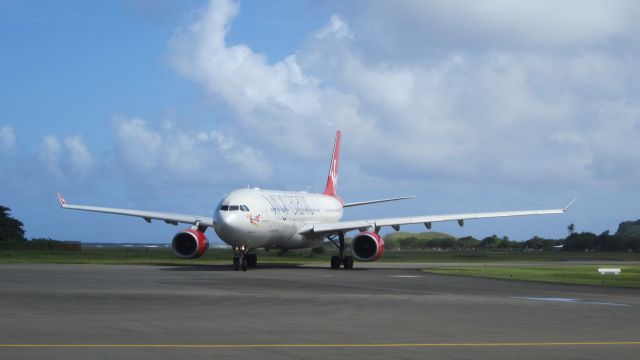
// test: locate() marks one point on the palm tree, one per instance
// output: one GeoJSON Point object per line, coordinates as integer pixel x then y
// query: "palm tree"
{"type": "Point", "coordinates": [571, 228]}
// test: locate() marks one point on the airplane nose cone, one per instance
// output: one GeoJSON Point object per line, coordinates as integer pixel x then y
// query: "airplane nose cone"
{"type": "Point", "coordinates": [228, 219]}
{"type": "Point", "coordinates": [228, 226]}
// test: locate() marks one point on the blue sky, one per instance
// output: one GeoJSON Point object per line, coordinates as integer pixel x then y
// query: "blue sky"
{"type": "Point", "coordinates": [168, 105]}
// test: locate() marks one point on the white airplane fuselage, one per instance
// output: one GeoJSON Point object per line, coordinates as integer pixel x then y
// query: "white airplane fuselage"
{"type": "Point", "coordinates": [256, 218]}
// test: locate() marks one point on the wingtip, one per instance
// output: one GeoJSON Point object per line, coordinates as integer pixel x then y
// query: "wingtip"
{"type": "Point", "coordinates": [63, 202]}
{"type": "Point", "coordinates": [568, 206]}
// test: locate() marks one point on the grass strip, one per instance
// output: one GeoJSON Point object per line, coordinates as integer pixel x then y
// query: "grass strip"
{"type": "Point", "coordinates": [565, 274]}
{"type": "Point", "coordinates": [148, 256]}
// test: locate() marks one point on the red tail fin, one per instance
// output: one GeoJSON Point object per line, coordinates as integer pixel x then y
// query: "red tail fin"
{"type": "Point", "coordinates": [332, 179]}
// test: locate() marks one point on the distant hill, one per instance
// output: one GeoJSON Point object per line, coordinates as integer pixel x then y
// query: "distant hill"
{"type": "Point", "coordinates": [629, 229]}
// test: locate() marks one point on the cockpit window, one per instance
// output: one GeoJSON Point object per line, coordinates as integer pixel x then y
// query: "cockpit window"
{"type": "Point", "coordinates": [244, 207]}
{"type": "Point", "coordinates": [224, 208]}
{"type": "Point", "coordinates": [234, 207]}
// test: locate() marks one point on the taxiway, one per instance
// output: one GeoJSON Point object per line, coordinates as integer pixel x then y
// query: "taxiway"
{"type": "Point", "coordinates": [168, 312]}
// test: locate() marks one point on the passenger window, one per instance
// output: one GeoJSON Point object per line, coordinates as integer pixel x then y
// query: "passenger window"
{"type": "Point", "coordinates": [234, 207]}
{"type": "Point", "coordinates": [224, 208]}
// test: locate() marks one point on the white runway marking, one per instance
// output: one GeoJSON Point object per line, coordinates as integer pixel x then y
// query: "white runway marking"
{"type": "Point", "coordinates": [570, 300]}
{"type": "Point", "coordinates": [405, 276]}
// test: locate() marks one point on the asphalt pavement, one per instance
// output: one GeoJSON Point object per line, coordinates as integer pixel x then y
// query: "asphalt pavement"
{"type": "Point", "coordinates": [308, 312]}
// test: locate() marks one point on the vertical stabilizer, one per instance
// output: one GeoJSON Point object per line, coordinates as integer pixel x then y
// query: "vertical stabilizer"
{"type": "Point", "coordinates": [332, 179]}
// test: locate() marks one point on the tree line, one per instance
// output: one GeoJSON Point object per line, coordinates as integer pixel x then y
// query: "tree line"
{"type": "Point", "coordinates": [493, 242]}
{"type": "Point", "coordinates": [12, 236]}
{"type": "Point", "coordinates": [627, 238]}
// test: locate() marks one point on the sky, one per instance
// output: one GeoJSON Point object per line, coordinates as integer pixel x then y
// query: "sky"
{"type": "Point", "coordinates": [470, 106]}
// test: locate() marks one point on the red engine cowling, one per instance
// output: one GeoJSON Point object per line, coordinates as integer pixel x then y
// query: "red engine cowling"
{"type": "Point", "coordinates": [189, 244]}
{"type": "Point", "coordinates": [367, 246]}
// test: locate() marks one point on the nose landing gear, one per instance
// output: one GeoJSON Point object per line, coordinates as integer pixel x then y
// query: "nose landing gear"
{"type": "Point", "coordinates": [242, 260]}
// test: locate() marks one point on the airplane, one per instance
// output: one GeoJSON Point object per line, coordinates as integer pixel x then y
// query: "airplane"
{"type": "Point", "coordinates": [252, 218]}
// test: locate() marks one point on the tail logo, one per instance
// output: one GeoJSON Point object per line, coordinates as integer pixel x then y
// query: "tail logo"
{"type": "Point", "coordinates": [334, 172]}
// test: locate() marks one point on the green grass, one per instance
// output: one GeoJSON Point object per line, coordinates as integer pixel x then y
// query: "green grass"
{"type": "Point", "coordinates": [503, 256]}
{"type": "Point", "coordinates": [92, 255]}
{"type": "Point", "coordinates": [568, 274]}
{"type": "Point", "coordinates": [144, 256]}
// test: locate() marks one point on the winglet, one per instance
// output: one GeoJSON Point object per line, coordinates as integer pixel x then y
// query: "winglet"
{"type": "Point", "coordinates": [568, 206]}
{"type": "Point", "coordinates": [63, 202]}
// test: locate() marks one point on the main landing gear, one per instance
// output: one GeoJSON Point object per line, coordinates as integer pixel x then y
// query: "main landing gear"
{"type": "Point", "coordinates": [340, 259]}
{"type": "Point", "coordinates": [242, 259]}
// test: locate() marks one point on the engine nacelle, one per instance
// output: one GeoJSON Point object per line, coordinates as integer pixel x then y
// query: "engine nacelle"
{"type": "Point", "coordinates": [367, 246]}
{"type": "Point", "coordinates": [189, 244]}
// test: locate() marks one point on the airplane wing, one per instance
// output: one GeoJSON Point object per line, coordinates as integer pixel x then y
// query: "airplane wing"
{"type": "Point", "coordinates": [358, 203]}
{"type": "Point", "coordinates": [168, 218]}
{"type": "Point", "coordinates": [375, 224]}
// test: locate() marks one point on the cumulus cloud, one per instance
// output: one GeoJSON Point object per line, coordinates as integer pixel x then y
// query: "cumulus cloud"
{"type": "Point", "coordinates": [488, 24]}
{"type": "Point", "coordinates": [202, 54]}
{"type": "Point", "coordinates": [197, 156]}
{"type": "Point", "coordinates": [69, 156]}
{"type": "Point", "coordinates": [278, 99]}
{"type": "Point", "coordinates": [521, 94]}
{"type": "Point", "coordinates": [140, 145]}
{"type": "Point", "coordinates": [50, 153]}
{"type": "Point", "coordinates": [7, 138]}
{"type": "Point", "coordinates": [336, 28]}
{"type": "Point", "coordinates": [80, 157]}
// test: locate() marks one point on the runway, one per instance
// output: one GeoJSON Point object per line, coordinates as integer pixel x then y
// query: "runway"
{"type": "Point", "coordinates": [275, 312]}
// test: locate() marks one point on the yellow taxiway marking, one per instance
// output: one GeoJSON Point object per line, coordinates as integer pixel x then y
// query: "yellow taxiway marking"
{"type": "Point", "coordinates": [390, 345]}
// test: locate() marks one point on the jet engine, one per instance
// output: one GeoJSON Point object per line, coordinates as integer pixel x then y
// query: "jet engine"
{"type": "Point", "coordinates": [189, 244]}
{"type": "Point", "coordinates": [367, 246]}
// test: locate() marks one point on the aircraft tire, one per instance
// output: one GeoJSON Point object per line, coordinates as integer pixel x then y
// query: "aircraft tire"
{"type": "Point", "coordinates": [243, 264]}
{"type": "Point", "coordinates": [252, 260]}
{"type": "Point", "coordinates": [348, 262]}
{"type": "Point", "coordinates": [236, 263]}
{"type": "Point", "coordinates": [335, 262]}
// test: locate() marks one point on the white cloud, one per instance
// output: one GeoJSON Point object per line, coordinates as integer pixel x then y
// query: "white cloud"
{"type": "Point", "coordinates": [277, 99]}
{"type": "Point", "coordinates": [509, 108]}
{"type": "Point", "coordinates": [7, 138]}
{"type": "Point", "coordinates": [50, 153]}
{"type": "Point", "coordinates": [336, 27]}
{"type": "Point", "coordinates": [200, 157]}
{"type": "Point", "coordinates": [140, 146]}
{"type": "Point", "coordinates": [201, 53]}
{"type": "Point", "coordinates": [419, 26]}
{"type": "Point", "coordinates": [541, 22]}
{"type": "Point", "coordinates": [80, 156]}
{"type": "Point", "coordinates": [70, 156]}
